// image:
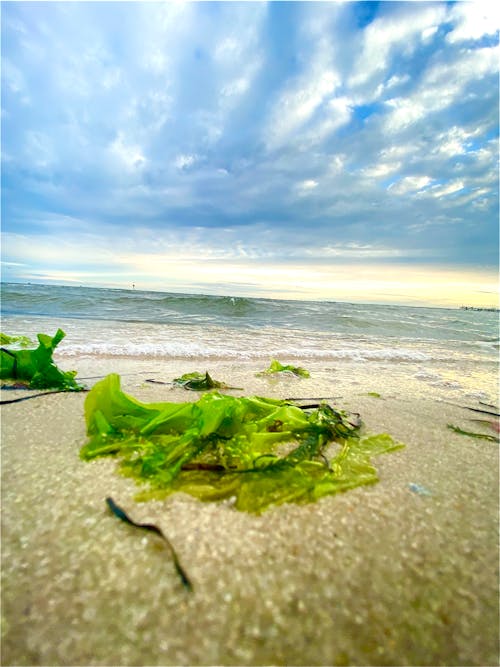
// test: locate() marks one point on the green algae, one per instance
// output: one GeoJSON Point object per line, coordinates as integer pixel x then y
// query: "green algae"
{"type": "Point", "coordinates": [255, 451]}
{"type": "Point", "coordinates": [21, 341]}
{"type": "Point", "coordinates": [276, 367]}
{"type": "Point", "coordinates": [35, 367]}
{"type": "Point", "coordinates": [200, 382]}
{"type": "Point", "coordinates": [472, 434]}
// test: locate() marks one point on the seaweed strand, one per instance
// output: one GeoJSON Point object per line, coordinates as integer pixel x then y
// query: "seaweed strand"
{"type": "Point", "coordinates": [123, 516]}
{"type": "Point", "coordinates": [44, 393]}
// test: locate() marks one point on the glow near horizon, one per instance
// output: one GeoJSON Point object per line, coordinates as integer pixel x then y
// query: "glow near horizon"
{"type": "Point", "coordinates": [401, 285]}
{"type": "Point", "coordinates": [350, 156]}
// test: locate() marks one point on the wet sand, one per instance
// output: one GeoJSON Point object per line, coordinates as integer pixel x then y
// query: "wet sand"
{"type": "Point", "coordinates": [390, 574]}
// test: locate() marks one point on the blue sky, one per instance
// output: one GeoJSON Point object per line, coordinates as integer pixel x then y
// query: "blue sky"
{"type": "Point", "coordinates": [300, 150]}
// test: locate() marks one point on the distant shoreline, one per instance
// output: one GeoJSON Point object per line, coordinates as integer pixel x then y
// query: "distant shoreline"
{"type": "Point", "coordinates": [492, 309]}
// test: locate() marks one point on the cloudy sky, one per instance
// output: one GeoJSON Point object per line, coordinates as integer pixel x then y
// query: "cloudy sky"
{"type": "Point", "coordinates": [342, 151]}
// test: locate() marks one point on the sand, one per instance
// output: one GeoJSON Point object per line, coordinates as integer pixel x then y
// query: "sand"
{"type": "Point", "coordinates": [380, 575]}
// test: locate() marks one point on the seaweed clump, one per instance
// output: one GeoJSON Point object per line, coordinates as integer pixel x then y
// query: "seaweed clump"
{"type": "Point", "coordinates": [199, 382]}
{"type": "Point", "coordinates": [22, 341]}
{"type": "Point", "coordinates": [35, 367]}
{"type": "Point", "coordinates": [276, 367]}
{"type": "Point", "coordinates": [255, 451]}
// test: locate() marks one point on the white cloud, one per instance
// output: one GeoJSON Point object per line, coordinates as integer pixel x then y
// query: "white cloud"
{"type": "Point", "coordinates": [444, 190]}
{"type": "Point", "coordinates": [360, 251]}
{"type": "Point", "coordinates": [337, 165]}
{"type": "Point", "coordinates": [228, 49]}
{"type": "Point", "coordinates": [442, 85]}
{"type": "Point", "coordinates": [380, 169]}
{"type": "Point", "coordinates": [406, 111]}
{"type": "Point", "coordinates": [129, 154]}
{"type": "Point", "coordinates": [429, 32]}
{"type": "Point", "coordinates": [306, 108]}
{"type": "Point", "coordinates": [450, 78]}
{"type": "Point", "coordinates": [384, 87]}
{"type": "Point", "coordinates": [156, 60]}
{"type": "Point", "coordinates": [306, 187]}
{"type": "Point", "coordinates": [39, 149]}
{"type": "Point", "coordinates": [410, 184]}
{"type": "Point", "coordinates": [334, 114]}
{"type": "Point", "coordinates": [15, 81]}
{"type": "Point", "coordinates": [41, 250]}
{"type": "Point", "coordinates": [238, 56]}
{"type": "Point", "coordinates": [12, 76]}
{"type": "Point", "coordinates": [235, 87]}
{"type": "Point", "coordinates": [452, 142]}
{"type": "Point", "coordinates": [473, 20]}
{"type": "Point", "coordinates": [386, 35]}
{"type": "Point", "coordinates": [210, 125]}
{"type": "Point", "coordinates": [298, 102]}
{"type": "Point", "coordinates": [185, 161]}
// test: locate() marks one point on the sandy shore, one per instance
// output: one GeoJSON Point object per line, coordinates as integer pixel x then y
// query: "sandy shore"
{"type": "Point", "coordinates": [380, 575]}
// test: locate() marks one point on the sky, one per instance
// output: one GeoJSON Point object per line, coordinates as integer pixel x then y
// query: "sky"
{"type": "Point", "coordinates": [311, 150]}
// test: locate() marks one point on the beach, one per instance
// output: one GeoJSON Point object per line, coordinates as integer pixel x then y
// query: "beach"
{"type": "Point", "coordinates": [402, 572]}
{"type": "Point", "coordinates": [249, 334]}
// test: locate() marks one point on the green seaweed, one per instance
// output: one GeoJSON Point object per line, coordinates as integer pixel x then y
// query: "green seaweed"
{"type": "Point", "coordinates": [471, 434]}
{"type": "Point", "coordinates": [22, 341]}
{"type": "Point", "coordinates": [35, 367]}
{"type": "Point", "coordinates": [256, 451]}
{"type": "Point", "coordinates": [374, 394]}
{"type": "Point", "coordinates": [199, 382]}
{"type": "Point", "coordinates": [276, 367]}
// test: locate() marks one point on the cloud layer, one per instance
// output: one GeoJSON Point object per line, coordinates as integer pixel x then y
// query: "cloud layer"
{"type": "Point", "coordinates": [137, 136]}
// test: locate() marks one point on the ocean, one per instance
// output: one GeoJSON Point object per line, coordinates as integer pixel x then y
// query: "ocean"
{"type": "Point", "coordinates": [145, 323]}
{"type": "Point", "coordinates": [436, 344]}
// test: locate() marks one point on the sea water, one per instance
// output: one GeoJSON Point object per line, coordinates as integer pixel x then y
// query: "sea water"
{"type": "Point", "coordinates": [434, 344]}
{"type": "Point", "coordinates": [136, 322]}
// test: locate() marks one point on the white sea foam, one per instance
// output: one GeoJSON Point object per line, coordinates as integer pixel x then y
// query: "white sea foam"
{"type": "Point", "coordinates": [192, 349]}
{"type": "Point", "coordinates": [187, 326]}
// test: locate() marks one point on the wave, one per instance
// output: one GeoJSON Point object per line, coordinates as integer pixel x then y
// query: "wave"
{"type": "Point", "coordinates": [193, 349]}
{"type": "Point", "coordinates": [124, 305]}
{"type": "Point", "coordinates": [397, 325]}
{"type": "Point", "coordinates": [216, 305]}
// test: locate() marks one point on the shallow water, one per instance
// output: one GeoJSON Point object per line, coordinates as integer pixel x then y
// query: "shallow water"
{"type": "Point", "coordinates": [154, 324]}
